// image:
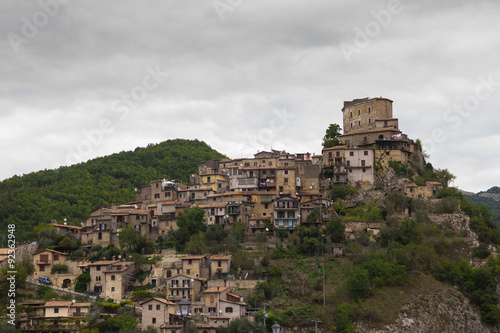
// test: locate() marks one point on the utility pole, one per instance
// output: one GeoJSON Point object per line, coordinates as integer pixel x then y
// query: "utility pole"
{"type": "Point", "coordinates": [316, 321]}
{"type": "Point", "coordinates": [264, 314]}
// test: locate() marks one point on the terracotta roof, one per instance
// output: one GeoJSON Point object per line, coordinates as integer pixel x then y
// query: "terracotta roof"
{"type": "Point", "coordinates": [382, 129]}
{"type": "Point", "coordinates": [53, 251]}
{"type": "Point", "coordinates": [193, 257]}
{"type": "Point", "coordinates": [217, 317]}
{"type": "Point", "coordinates": [80, 305]}
{"type": "Point", "coordinates": [159, 299]}
{"type": "Point", "coordinates": [213, 205]}
{"type": "Point", "coordinates": [334, 148]}
{"type": "Point", "coordinates": [66, 226]}
{"type": "Point", "coordinates": [104, 262]}
{"type": "Point", "coordinates": [434, 183]}
{"type": "Point", "coordinates": [5, 251]}
{"type": "Point", "coordinates": [234, 295]}
{"type": "Point", "coordinates": [239, 303]}
{"type": "Point", "coordinates": [170, 202]}
{"type": "Point", "coordinates": [216, 290]}
{"type": "Point", "coordinates": [411, 185]}
{"type": "Point", "coordinates": [221, 257]}
{"type": "Point", "coordinates": [51, 304]}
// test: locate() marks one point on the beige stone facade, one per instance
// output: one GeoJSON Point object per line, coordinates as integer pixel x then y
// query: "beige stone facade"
{"type": "Point", "coordinates": [220, 265]}
{"type": "Point", "coordinates": [157, 312]}
{"type": "Point", "coordinates": [360, 114]}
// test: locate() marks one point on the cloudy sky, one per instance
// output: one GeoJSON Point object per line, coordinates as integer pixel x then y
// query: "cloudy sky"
{"type": "Point", "coordinates": [80, 79]}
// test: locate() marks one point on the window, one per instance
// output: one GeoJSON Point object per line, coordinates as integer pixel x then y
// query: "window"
{"type": "Point", "coordinates": [219, 263]}
{"type": "Point", "coordinates": [286, 172]}
{"type": "Point", "coordinates": [270, 163]}
{"type": "Point", "coordinates": [369, 120]}
{"type": "Point", "coordinates": [366, 152]}
{"type": "Point", "coordinates": [266, 206]}
{"type": "Point", "coordinates": [359, 112]}
{"type": "Point", "coordinates": [369, 109]}
{"type": "Point", "coordinates": [167, 194]}
{"type": "Point", "coordinates": [157, 195]}
{"type": "Point", "coordinates": [281, 214]}
{"type": "Point", "coordinates": [156, 185]}
{"type": "Point", "coordinates": [351, 153]}
{"type": "Point", "coordinates": [112, 288]}
{"type": "Point", "coordinates": [212, 310]}
{"type": "Point", "coordinates": [150, 307]}
{"type": "Point", "coordinates": [337, 154]}
{"type": "Point", "coordinates": [285, 180]}
{"type": "Point", "coordinates": [364, 170]}
{"type": "Point", "coordinates": [98, 268]}
{"type": "Point", "coordinates": [348, 163]}
{"type": "Point", "coordinates": [208, 179]}
{"type": "Point", "coordinates": [56, 310]}
{"type": "Point", "coordinates": [158, 306]}
{"type": "Point", "coordinates": [351, 125]}
{"type": "Point", "coordinates": [112, 277]}
{"type": "Point", "coordinates": [254, 164]}
{"type": "Point", "coordinates": [290, 223]}
{"type": "Point", "coordinates": [56, 256]}
{"type": "Point", "coordinates": [381, 136]}
{"type": "Point", "coordinates": [247, 164]}
{"type": "Point", "coordinates": [99, 235]}
{"type": "Point", "coordinates": [351, 114]}
{"type": "Point", "coordinates": [359, 123]}
{"type": "Point", "coordinates": [192, 195]}
{"type": "Point", "coordinates": [362, 162]}
{"type": "Point", "coordinates": [330, 155]}
{"type": "Point", "coordinates": [387, 153]}
{"type": "Point", "coordinates": [350, 170]}
{"type": "Point", "coordinates": [280, 223]}
{"type": "Point", "coordinates": [230, 310]}
{"type": "Point", "coordinates": [188, 271]}
{"type": "Point", "coordinates": [153, 320]}
{"type": "Point", "coordinates": [291, 215]}
{"type": "Point", "coordinates": [204, 194]}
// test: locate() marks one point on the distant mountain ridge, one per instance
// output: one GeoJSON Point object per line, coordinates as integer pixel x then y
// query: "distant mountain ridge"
{"type": "Point", "coordinates": [73, 192]}
{"type": "Point", "coordinates": [489, 199]}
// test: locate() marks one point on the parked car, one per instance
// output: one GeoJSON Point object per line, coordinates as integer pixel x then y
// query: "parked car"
{"type": "Point", "coordinates": [91, 293]}
{"type": "Point", "coordinates": [44, 280]}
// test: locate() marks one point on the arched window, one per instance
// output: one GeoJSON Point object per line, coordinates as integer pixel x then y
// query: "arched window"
{"type": "Point", "coordinates": [169, 273]}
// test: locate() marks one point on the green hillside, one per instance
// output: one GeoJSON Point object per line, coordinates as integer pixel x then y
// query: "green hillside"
{"type": "Point", "coordinates": [73, 192]}
{"type": "Point", "coordinates": [492, 205]}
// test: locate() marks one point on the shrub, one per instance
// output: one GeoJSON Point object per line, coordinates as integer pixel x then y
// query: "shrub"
{"type": "Point", "coordinates": [345, 316]}
{"type": "Point", "coordinates": [482, 251]}
{"type": "Point", "coordinates": [59, 268]}
{"type": "Point", "coordinates": [81, 282]}
{"type": "Point", "coordinates": [358, 284]}
{"type": "Point", "coordinates": [447, 205]}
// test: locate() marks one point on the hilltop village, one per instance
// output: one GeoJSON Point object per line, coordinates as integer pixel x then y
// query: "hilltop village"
{"type": "Point", "coordinates": [273, 192]}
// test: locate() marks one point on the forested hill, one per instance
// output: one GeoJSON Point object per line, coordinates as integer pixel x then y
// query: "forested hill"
{"type": "Point", "coordinates": [489, 199]}
{"type": "Point", "coordinates": [73, 192]}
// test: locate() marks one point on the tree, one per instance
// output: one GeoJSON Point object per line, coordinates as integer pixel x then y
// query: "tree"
{"type": "Point", "coordinates": [190, 222]}
{"type": "Point", "coordinates": [197, 244]}
{"type": "Point", "coordinates": [444, 176]}
{"type": "Point", "coordinates": [81, 282]}
{"type": "Point", "coordinates": [331, 137]}
{"type": "Point", "coordinates": [243, 325]}
{"type": "Point", "coordinates": [336, 229]}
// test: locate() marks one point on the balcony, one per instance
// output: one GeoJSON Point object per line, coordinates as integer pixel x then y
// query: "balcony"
{"type": "Point", "coordinates": [45, 262]}
{"type": "Point", "coordinates": [178, 297]}
{"type": "Point", "coordinates": [179, 286]}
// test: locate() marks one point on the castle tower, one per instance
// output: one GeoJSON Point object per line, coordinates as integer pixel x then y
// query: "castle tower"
{"type": "Point", "coordinates": [362, 114]}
